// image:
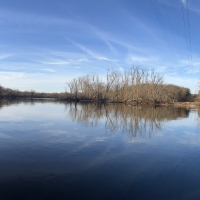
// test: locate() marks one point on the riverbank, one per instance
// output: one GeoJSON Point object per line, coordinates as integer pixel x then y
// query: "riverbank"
{"type": "Point", "coordinates": [184, 104]}
{"type": "Point", "coordinates": [195, 104]}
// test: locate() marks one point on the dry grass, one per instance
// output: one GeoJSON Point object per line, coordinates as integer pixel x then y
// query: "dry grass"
{"type": "Point", "coordinates": [187, 104]}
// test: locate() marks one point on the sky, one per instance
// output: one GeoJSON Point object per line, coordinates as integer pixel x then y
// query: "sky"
{"type": "Point", "coordinates": [45, 43]}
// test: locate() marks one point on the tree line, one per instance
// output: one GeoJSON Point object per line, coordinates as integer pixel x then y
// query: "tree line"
{"type": "Point", "coordinates": [7, 93]}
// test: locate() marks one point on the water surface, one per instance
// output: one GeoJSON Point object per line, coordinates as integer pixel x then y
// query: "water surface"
{"type": "Point", "coordinates": [54, 150]}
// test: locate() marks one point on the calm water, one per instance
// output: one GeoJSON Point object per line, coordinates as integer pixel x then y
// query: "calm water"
{"type": "Point", "coordinates": [52, 150]}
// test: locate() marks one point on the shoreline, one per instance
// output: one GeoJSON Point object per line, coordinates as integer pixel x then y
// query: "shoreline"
{"type": "Point", "coordinates": [183, 104]}
{"type": "Point", "coordinates": [128, 103]}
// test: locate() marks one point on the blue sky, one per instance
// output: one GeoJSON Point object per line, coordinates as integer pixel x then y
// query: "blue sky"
{"type": "Point", "coordinates": [45, 43]}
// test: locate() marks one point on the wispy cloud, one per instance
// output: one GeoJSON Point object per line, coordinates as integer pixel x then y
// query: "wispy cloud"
{"type": "Point", "coordinates": [58, 62]}
{"type": "Point", "coordinates": [61, 58]}
{"type": "Point", "coordinates": [90, 52]}
{"type": "Point", "coordinates": [39, 81]}
{"type": "Point", "coordinates": [11, 75]}
{"type": "Point", "coordinates": [137, 59]}
{"type": "Point", "coordinates": [146, 28]}
{"type": "Point", "coordinates": [104, 38]}
{"type": "Point", "coordinates": [49, 70]}
{"type": "Point", "coordinates": [10, 16]}
{"type": "Point", "coordinates": [96, 31]}
{"type": "Point", "coordinates": [3, 56]}
{"type": "Point", "coordinates": [192, 71]}
{"type": "Point", "coordinates": [191, 67]}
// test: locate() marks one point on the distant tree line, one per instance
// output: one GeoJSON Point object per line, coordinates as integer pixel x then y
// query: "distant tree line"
{"type": "Point", "coordinates": [6, 93]}
{"type": "Point", "coordinates": [135, 86]}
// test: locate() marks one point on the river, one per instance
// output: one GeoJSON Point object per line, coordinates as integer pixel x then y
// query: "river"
{"type": "Point", "coordinates": [57, 150]}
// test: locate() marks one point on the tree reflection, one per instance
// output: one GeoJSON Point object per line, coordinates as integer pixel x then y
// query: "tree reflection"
{"type": "Point", "coordinates": [9, 102]}
{"type": "Point", "coordinates": [136, 121]}
{"type": "Point", "coordinates": [198, 119]}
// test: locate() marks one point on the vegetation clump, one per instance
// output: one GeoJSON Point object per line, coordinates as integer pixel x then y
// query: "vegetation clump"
{"type": "Point", "coordinates": [135, 86]}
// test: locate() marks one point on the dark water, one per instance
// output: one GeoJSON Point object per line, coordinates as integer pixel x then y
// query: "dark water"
{"type": "Point", "coordinates": [51, 150]}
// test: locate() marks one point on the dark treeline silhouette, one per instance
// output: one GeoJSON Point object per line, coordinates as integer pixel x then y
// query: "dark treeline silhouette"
{"type": "Point", "coordinates": [136, 121]}
{"type": "Point", "coordinates": [11, 94]}
{"type": "Point", "coordinates": [135, 86]}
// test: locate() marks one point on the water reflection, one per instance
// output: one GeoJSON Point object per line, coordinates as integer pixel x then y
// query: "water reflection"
{"type": "Point", "coordinates": [44, 155]}
{"type": "Point", "coordinates": [10, 102]}
{"type": "Point", "coordinates": [136, 121]}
